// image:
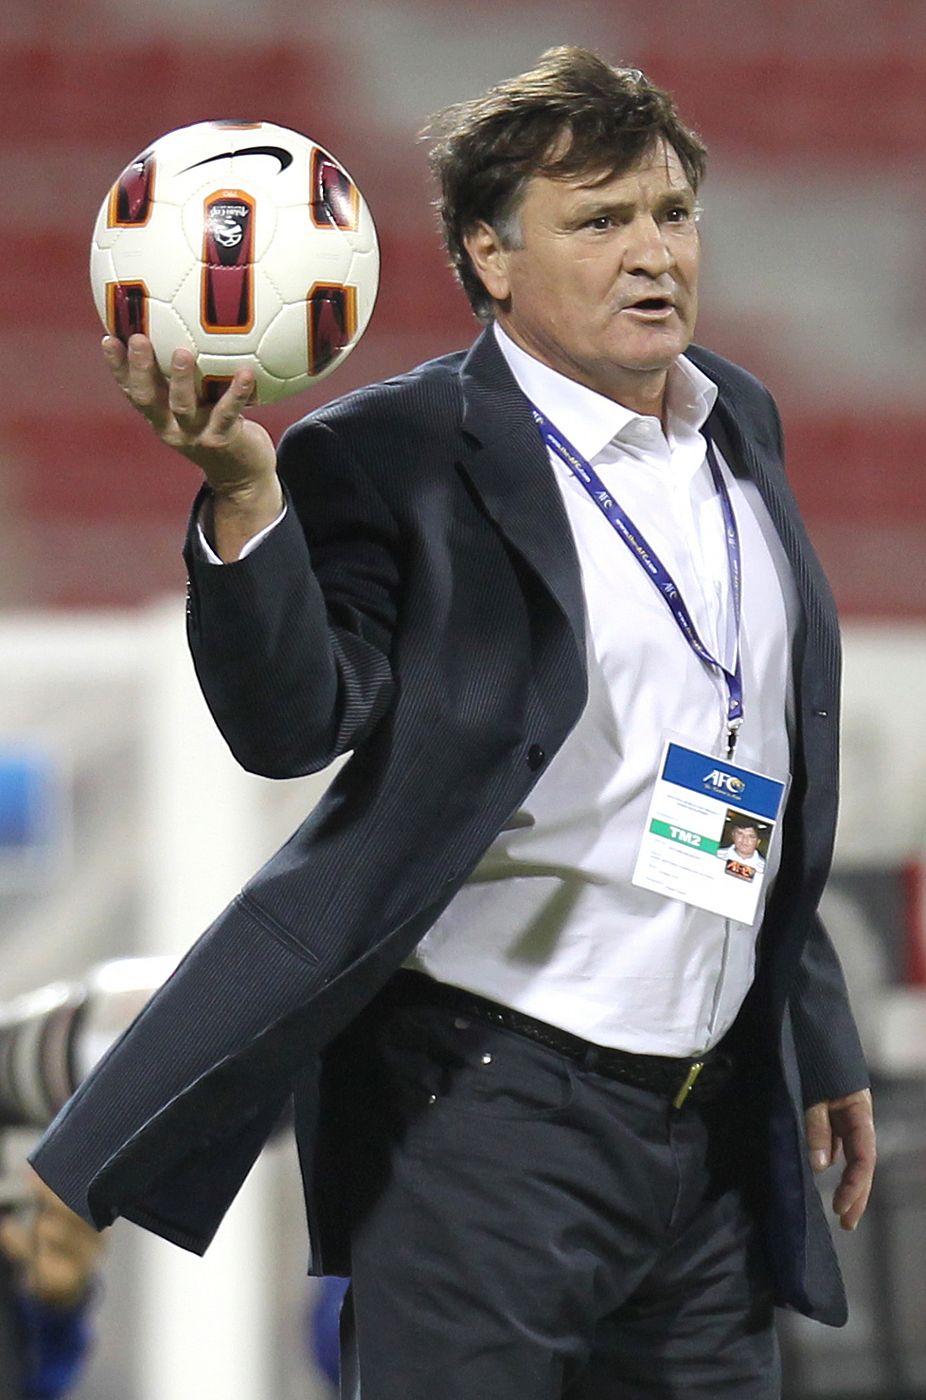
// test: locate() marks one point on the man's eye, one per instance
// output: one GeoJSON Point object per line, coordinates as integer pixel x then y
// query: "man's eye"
{"type": "Point", "coordinates": [678, 214]}
{"type": "Point", "coordinates": [600, 221]}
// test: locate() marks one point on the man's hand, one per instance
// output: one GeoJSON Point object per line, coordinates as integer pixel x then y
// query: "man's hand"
{"type": "Point", "coordinates": [236, 455]}
{"type": "Point", "coordinates": [849, 1121]}
{"type": "Point", "coordinates": [54, 1249]}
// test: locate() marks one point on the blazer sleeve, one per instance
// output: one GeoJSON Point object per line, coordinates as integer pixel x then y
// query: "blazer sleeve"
{"type": "Point", "coordinates": [292, 644]}
{"type": "Point", "coordinates": [829, 1051]}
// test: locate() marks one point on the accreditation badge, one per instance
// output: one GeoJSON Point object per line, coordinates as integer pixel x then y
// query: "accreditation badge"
{"type": "Point", "coordinates": [708, 832]}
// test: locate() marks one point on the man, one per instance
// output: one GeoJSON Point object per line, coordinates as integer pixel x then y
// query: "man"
{"type": "Point", "coordinates": [743, 850]}
{"type": "Point", "coordinates": [550, 1118]}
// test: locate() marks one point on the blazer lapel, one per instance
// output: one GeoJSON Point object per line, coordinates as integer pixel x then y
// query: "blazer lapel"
{"type": "Point", "coordinates": [743, 450]}
{"type": "Point", "coordinates": [507, 464]}
{"type": "Point", "coordinates": [751, 451]}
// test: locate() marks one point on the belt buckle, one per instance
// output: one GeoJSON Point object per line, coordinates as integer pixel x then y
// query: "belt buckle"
{"type": "Point", "coordinates": [689, 1083]}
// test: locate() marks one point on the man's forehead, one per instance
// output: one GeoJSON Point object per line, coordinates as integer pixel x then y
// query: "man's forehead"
{"type": "Point", "coordinates": [661, 161]}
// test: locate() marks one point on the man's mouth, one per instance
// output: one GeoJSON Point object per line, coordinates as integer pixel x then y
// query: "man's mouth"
{"type": "Point", "coordinates": [654, 308]}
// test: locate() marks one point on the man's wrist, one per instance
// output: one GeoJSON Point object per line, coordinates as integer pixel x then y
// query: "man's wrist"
{"type": "Point", "coordinates": [236, 515]}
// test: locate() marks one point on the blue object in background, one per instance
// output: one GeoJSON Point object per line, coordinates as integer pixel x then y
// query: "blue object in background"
{"type": "Point", "coordinates": [30, 802]}
{"type": "Point", "coordinates": [57, 1341]}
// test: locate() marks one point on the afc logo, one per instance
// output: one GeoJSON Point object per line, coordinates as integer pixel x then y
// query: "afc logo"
{"type": "Point", "coordinates": [725, 782]}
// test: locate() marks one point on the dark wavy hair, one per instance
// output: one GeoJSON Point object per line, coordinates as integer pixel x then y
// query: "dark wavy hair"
{"type": "Point", "coordinates": [485, 151]}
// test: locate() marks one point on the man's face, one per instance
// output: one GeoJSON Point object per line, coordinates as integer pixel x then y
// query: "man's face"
{"type": "Point", "coordinates": [604, 287]}
{"type": "Point", "coordinates": [745, 840]}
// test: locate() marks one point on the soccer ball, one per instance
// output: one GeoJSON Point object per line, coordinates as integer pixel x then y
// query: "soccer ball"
{"type": "Point", "coordinates": [247, 244]}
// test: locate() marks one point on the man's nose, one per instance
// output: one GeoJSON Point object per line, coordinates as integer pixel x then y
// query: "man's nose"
{"type": "Point", "coordinates": [648, 249]}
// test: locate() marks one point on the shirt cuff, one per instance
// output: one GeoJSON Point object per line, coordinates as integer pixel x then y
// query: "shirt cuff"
{"type": "Point", "coordinates": [209, 553]}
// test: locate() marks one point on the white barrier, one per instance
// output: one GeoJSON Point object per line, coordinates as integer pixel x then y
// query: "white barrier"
{"type": "Point", "coordinates": [111, 697]}
{"type": "Point", "coordinates": [164, 829]}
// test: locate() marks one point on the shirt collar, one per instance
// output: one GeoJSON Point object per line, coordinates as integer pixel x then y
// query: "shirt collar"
{"type": "Point", "coordinates": [590, 420]}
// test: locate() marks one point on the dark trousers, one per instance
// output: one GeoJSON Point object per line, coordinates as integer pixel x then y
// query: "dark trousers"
{"type": "Point", "coordinates": [523, 1229]}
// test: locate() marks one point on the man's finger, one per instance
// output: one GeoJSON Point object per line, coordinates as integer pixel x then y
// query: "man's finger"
{"type": "Point", "coordinates": [819, 1136]}
{"type": "Point", "coordinates": [146, 386]}
{"type": "Point", "coordinates": [114, 353]}
{"type": "Point", "coordinates": [855, 1126]}
{"type": "Point", "coordinates": [851, 1195]}
{"type": "Point", "coordinates": [232, 403]}
{"type": "Point", "coordinates": [181, 394]}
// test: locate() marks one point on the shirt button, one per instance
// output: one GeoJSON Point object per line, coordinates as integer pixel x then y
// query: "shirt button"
{"type": "Point", "coordinates": [535, 757]}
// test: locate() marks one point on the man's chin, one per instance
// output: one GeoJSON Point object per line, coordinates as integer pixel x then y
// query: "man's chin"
{"type": "Point", "coordinates": [655, 364]}
{"type": "Point", "coordinates": [657, 351]}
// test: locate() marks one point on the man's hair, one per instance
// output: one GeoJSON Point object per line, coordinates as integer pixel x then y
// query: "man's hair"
{"type": "Point", "coordinates": [746, 825]}
{"type": "Point", "coordinates": [486, 150]}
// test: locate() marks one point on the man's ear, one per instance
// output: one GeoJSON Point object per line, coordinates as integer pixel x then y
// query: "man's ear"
{"type": "Point", "coordinates": [489, 259]}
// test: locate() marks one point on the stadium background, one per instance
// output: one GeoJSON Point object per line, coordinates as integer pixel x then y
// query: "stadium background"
{"type": "Point", "coordinates": [814, 226]}
{"type": "Point", "coordinates": [815, 242]}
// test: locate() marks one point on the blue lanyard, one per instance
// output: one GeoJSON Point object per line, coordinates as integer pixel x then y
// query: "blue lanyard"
{"type": "Point", "coordinates": [651, 564]}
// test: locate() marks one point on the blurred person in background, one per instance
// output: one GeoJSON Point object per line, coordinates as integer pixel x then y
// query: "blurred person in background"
{"type": "Point", "coordinates": [49, 1038]}
{"type": "Point", "coordinates": [48, 1263]}
{"type": "Point", "coordinates": [556, 1126]}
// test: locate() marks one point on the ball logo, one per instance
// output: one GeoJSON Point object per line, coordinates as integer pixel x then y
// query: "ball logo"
{"type": "Point", "coordinates": [725, 783]}
{"type": "Point", "coordinates": [227, 223]}
{"type": "Point", "coordinates": [277, 152]}
{"type": "Point", "coordinates": [227, 277]}
{"type": "Point", "coordinates": [227, 231]}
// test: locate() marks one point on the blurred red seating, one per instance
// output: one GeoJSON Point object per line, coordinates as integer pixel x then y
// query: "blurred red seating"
{"type": "Point", "coordinates": [95, 466]}
{"type": "Point", "coordinates": [130, 95]}
{"type": "Point", "coordinates": [860, 470]}
{"type": "Point", "coordinates": [45, 280]}
{"type": "Point", "coordinates": [786, 106]}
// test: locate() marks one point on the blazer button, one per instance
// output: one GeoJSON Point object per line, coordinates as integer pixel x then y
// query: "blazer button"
{"type": "Point", "coordinates": [535, 757]}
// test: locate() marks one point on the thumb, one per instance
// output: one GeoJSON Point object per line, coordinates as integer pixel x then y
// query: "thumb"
{"type": "Point", "coordinates": [819, 1136]}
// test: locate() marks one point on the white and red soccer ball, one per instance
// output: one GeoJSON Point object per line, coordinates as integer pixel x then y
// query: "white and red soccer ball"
{"type": "Point", "coordinates": [245, 243]}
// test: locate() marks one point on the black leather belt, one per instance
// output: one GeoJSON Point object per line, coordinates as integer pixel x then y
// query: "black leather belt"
{"type": "Point", "coordinates": [699, 1078]}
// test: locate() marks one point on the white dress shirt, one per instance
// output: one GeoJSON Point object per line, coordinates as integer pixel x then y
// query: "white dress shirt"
{"type": "Point", "coordinates": [549, 922]}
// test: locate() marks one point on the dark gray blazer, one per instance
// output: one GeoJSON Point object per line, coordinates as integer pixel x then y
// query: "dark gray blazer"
{"type": "Point", "coordinates": [421, 606]}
